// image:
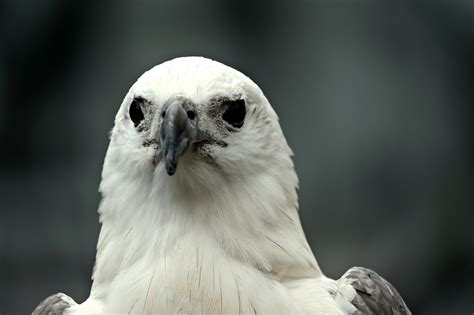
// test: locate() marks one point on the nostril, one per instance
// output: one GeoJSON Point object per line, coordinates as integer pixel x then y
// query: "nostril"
{"type": "Point", "coordinates": [191, 114]}
{"type": "Point", "coordinates": [163, 114]}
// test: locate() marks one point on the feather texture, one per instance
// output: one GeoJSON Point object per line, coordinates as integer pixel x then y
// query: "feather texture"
{"type": "Point", "coordinates": [223, 234]}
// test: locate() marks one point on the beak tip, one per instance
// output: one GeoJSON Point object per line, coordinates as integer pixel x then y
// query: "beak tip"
{"type": "Point", "coordinates": [170, 168]}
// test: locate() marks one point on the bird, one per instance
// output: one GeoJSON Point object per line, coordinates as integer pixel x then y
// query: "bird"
{"type": "Point", "coordinates": [199, 209]}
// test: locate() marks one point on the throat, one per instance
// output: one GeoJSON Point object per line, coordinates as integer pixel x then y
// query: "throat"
{"type": "Point", "coordinates": [195, 275]}
{"type": "Point", "coordinates": [254, 223]}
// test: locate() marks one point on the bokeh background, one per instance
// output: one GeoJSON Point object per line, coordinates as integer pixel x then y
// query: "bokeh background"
{"type": "Point", "coordinates": [376, 99]}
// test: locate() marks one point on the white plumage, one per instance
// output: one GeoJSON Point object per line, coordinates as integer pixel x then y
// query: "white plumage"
{"type": "Point", "coordinates": [222, 235]}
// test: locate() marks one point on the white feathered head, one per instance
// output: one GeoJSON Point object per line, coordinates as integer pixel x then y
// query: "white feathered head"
{"type": "Point", "coordinates": [199, 122]}
{"type": "Point", "coordinates": [196, 143]}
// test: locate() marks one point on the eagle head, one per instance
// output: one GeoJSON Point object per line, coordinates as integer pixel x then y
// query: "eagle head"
{"type": "Point", "coordinates": [198, 122]}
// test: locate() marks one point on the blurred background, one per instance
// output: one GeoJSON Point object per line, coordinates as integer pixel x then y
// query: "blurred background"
{"type": "Point", "coordinates": [375, 98]}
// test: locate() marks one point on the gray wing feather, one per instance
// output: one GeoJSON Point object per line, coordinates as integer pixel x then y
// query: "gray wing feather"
{"type": "Point", "coordinates": [54, 305]}
{"type": "Point", "coordinates": [374, 294]}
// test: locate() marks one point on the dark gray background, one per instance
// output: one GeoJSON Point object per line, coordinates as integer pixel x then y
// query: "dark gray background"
{"type": "Point", "coordinates": [375, 98]}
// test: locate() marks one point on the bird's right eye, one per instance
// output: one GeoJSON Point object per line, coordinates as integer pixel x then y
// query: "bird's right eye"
{"type": "Point", "coordinates": [135, 111]}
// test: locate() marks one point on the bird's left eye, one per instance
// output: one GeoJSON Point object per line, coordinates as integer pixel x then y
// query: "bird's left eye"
{"type": "Point", "coordinates": [135, 111]}
{"type": "Point", "coordinates": [235, 113]}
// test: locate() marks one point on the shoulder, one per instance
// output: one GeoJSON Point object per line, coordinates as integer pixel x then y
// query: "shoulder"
{"type": "Point", "coordinates": [55, 304]}
{"type": "Point", "coordinates": [369, 293]}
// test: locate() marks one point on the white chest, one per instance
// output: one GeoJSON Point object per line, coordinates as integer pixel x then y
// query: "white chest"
{"type": "Point", "coordinates": [192, 279]}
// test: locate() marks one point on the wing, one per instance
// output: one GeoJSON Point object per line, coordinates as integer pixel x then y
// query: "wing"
{"type": "Point", "coordinates": [54, 305]}
{"type": "Point", "coordinates": [370, 293]}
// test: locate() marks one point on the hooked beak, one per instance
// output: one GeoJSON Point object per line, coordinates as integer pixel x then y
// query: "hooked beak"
{"type": "Point", "coordinates": [177, 134]}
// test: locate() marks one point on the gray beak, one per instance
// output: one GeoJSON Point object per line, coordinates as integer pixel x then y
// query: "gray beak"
{"type": "Point", "coordinates": [177, 133]}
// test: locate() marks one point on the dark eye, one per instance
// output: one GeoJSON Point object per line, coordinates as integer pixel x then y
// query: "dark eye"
{"type": "Point", "coordinates": [135, 111]}
{"type": "Point", "coordinates": [235, 113]}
